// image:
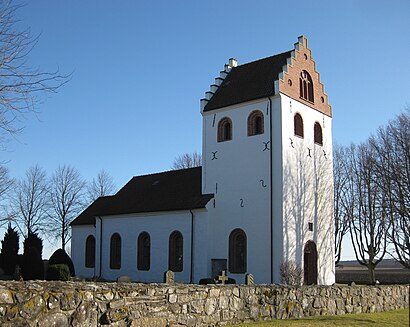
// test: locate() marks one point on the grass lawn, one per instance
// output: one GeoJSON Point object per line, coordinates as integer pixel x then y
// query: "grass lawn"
{"type": "Point", "coordinates": [380, 319]}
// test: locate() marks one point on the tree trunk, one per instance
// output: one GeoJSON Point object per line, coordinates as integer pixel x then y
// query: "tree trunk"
{"type": "Point", "coordinates": [372, 275]}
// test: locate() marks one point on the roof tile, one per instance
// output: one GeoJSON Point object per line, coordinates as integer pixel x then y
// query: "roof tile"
{"type": "Point", "coordinates": [249, 81]}
{"type": "Point", "coordinates": [167, 191]}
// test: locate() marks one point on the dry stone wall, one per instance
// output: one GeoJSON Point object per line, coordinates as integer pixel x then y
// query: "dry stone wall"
{"type": "Point", "coordinates": [43, 303]}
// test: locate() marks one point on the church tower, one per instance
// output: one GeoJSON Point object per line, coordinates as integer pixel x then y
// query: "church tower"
{"type": "Point", "coordinates": [267, 158]}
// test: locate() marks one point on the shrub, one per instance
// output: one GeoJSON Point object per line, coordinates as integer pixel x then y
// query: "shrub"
{"type": "Point", "coordinates": [9, 250]}
{"type": "Point", "coordinates": [230, 281]}
{"type": "Point", "coordinates": [58, 272]}
{"type": "Point", "coordinates": [61, 257]}
{"type": "Point", "coordinates": [33, 267]}
{"type": "Point", "coordinates": [291, 273]}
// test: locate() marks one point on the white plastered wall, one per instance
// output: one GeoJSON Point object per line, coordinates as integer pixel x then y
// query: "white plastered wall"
{"type": "Point", "coordinates": [308, 188]}
{"type": "Point", "coordinates": [240, 181]}
{"type": "Point", "coordinates": [159, 226]}
{"type": "Point", "coordinates": [79, 237]}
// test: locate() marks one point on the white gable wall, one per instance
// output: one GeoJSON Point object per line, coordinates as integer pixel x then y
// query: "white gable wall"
{"type": "Point", "coordinates": [307, 188]}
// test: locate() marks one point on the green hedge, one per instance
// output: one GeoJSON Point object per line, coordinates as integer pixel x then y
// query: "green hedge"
{"type": "Point", "coordinates": [58, 272]}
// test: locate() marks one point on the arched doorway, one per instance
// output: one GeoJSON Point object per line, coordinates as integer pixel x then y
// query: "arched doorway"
{"type": "Point", "coordinates": [310, 263]}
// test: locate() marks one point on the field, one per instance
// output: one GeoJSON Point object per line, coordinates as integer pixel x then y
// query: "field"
{"type": "Point", "coordinates": [388, 272]}
{"type": "Point", "coordinates": [380, 319]}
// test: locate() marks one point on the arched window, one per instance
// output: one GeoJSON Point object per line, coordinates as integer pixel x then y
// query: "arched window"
{"type": "Point", "coordinates": [306, 86]}
{"type": "Point", "coordinates": [224, 130]}
{"type": "Point", "coordinates": [298, 125]}
{"type": "Point", "coordinates": [90, 252]}
{"type": "Point", "coordinates": [237, 251]}
{"type": "Point", "coordinates": [318, 136]}
{"type": "Point", "coordinates": [176, 252]}
{"type": "Point", "coordinates": [144, 251]}
{"type": "Point", "coordinates": [115, 251]}
{"type": "Point", "coordinates": [255, 123]}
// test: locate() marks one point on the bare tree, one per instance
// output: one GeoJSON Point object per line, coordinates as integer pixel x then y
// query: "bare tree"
{"type": "Point", "coordinates": [67, 201]}
{"type": "Point", "coordinates": [392, 145]}
{"type": "Point", "coordinates": [187, 160]}
{"type": "Point", "coordinates": [368, 223]}
{"type": "Point", "coordinates": [20, 85]}
{"type": "Point", "coordinates": [342, 203]}
{"type": "Point", "coordinates": [6, 184]}
{"type": "Point", "coordinates": [101, 185]}
{"type": "Point", "coordinates": [30, 201]}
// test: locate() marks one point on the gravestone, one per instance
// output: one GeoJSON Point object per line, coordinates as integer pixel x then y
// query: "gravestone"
{"type": "Point", "coordinates": [169, 277]}
{"type": "Point", "coordinates": [249, 280]}
{"type": "Point", "coordinates": [217, 266]}
{"type": "Point", "coordinates": [124, 279]}
{"type": "Point", "coordinates": [17, 273]}
{"type": "Point", "coordinates": [223, 278]}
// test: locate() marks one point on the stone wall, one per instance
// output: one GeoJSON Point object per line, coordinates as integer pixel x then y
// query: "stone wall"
{"type": "Point", "coordinates": [43, 303]}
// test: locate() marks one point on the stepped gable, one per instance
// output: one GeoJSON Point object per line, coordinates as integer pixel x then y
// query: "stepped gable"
{"type": "Point", "coordinates": [289, 79]}
{"type": "Point", "coordinates": [266, 77]}
{"type": "Point", "coordinates": [168, 191]}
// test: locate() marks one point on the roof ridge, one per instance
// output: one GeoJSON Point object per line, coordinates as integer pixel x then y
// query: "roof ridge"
{"type": "Point", "coordinates": [166, 172]}
{"type": "Point", "coordinates": [104, 197]}
{"type": "Point", "coordinates": [261, 59]}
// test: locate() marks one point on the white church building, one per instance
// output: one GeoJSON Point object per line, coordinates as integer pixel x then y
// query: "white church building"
{"type": "Point", "coordinates": [263, 196]}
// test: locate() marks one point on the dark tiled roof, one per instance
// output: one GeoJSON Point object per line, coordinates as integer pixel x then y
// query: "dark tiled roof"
{"type": "Point", "coordinates": [247, 82]}
{"type": "Point", "coordinates": [167, 191]}
{"type": "Point", "coordinates": [87, 217]}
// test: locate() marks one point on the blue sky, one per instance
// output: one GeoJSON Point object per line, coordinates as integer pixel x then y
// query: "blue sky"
{"type": "Point", "coordinates": [140, 67]}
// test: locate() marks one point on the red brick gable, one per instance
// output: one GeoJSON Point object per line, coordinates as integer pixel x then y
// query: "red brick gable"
{"type": "Point", "coordinates": [289, 80]}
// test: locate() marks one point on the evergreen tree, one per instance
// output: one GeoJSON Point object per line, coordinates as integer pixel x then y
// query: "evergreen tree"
{"type": "Point", "coordinates": [33, 241]}
{"type": "Point", "coordinates": [9, 250]}
{"type": "Point", "coordinates": [33, 267]}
